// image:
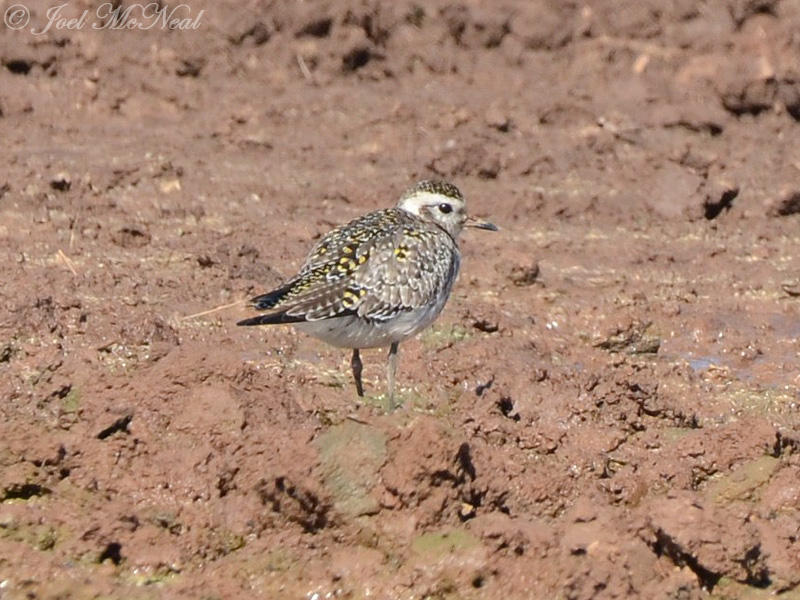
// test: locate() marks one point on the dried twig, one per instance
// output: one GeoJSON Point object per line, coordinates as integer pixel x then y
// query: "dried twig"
{"type": "Point", "coordinates": [67, 261]}
{"type": "Point", "coordinates": [213, 310]}
{"type": "Point", "coordinates": [304, 68]}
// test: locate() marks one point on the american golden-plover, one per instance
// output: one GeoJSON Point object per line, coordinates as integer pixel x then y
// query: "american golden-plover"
{"type": "Point", "coordinates": [379, 279]}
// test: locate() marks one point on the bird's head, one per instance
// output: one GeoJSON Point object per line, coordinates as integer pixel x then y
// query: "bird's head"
{"type": "Point", "coordinates": [442, 203]}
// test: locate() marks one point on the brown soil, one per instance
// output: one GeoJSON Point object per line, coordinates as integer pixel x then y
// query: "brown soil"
{"type": "Point", "coordinates": [608, 407]}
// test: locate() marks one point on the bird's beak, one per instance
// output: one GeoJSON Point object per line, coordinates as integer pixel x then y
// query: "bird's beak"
{"type": "Point", "coordinates": [479, 224]}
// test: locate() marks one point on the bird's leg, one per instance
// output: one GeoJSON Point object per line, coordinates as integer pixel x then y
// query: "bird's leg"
{"type": "Point", "coordinates": [391, 368]}
{"type": "Point", "coordinates": [357, 366]}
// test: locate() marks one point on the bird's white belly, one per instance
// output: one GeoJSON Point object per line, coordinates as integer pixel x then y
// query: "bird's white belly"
{"type": "Point", "coordinates": [352, 331]}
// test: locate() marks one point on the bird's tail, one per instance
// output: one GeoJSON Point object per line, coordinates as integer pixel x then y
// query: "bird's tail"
{"type": "Point", "coordinates": [275, 318]}
{"type": "Point", "coordinates": [270, 299]}
{"type": "Point", "coordinates": [266, 302]}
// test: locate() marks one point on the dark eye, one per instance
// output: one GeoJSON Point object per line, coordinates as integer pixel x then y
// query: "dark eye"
{"type": "Point", "coordinates": [445, 208]}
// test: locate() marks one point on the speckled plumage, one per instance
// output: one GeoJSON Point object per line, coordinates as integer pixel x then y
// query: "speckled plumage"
{"type": "Point", "coordinates": [380, 278]}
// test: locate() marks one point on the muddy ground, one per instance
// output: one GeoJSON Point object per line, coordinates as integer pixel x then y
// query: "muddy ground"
{"type": "Point", "coordinates": [607, 408]}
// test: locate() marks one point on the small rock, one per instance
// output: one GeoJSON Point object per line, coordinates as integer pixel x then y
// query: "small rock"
{"type": "Point", "coordinates": [676, 192]}
{"type": "Point", "coordinates": [259, 33]}
{"type": "Point", "coordinates": [190, 67]}
{"type": "Point", "coordinates": [19, 66]}
{"type": "Point", "coordinates": [490, 169]}
{"type": "Point", "coordinates": [61, 182]}
{"type": "Point", "coordinates": [455, 118]}
{"type": "Point", "coordinates": [467, 511]}
{"type": "Point", "coordinates": [497, 119]}
{"type": "Point", "coordinates": [486, 326]}
{"type": "Point", "coordinates": [749, 96]}
{"type": "Point", "coordinates": [788, 203]}
{"type": "Point", "coordinates": [789, 94]}
{"type": "Point", "coordinates": [131, 236]}
{"type": "Point", "coordinates": [792, 288]}
{"type": "Point", "coordinates": [524, 275]}
{"type": "Point", "coordinates": [456, 160]}
{"type": "Point", "coordinates": [696, 159]}
{"type": "Point", "coordinates": [719, 197]}
{"type": "Point", "coordinates": [741, 10]}
{"type": "Point", "coordinates": [6, 352]}
{"type": "Point", "coordinates": [169, 185]}
{"type": "Point", "coordinates": [316, 28]}
{"type": "Point", "coordinates": [357, 58]}
{"type": "Point", "coordinates": [632, 338]}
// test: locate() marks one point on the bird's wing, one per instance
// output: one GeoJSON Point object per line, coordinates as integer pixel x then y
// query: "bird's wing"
{"type": "Point", "coordinates": [324, 287]}
{"type": "Point", "coordinates": [351, 237]}
{"type": "Point", "coordinates": [377, 266]}
{"type": "Point", "coordinates": [408, 270]}
{"type": "Point", "coordinates": [309, 296]}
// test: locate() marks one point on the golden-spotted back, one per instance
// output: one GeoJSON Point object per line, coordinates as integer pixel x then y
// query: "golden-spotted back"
{"type": "Point", "coordinates": [377, 266]}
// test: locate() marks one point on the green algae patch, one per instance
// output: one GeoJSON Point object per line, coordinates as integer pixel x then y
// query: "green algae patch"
{"type": "Point", "coordinates": [766, 402]}
{"type": "Point", "coordinates": [351, 454]}
{"type": "Point", "coordinates": [446, 335]}
{"type": "Point", "coordinates": [728, 589]}
{"type": "Point", "coordinates": [672, 435]}
{"type": "Point", "coordinates": [744, 483]}
{"type": "Point", "coordinates": [71, 403]}
{"type": "Point", "coordinates": [438, 544]}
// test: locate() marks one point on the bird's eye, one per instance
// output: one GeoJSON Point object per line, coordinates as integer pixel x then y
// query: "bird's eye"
{"type": "Point", "coordinates": [445, 208]}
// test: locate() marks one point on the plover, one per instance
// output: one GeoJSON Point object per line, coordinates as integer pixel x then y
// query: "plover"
{"type": "Point", "coordinates": [379, 279]}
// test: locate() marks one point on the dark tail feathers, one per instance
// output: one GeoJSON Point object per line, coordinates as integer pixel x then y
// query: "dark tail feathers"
{"type": "Point", "coordinates": [266, 302]}
{"type": "Point", "coordinates": [270, 299]}
{"type": "Point", "coordinates": [270, 319]}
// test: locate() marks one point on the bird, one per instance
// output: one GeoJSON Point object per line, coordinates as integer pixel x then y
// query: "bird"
{"type": "Point", "coordinates": [379, 279]}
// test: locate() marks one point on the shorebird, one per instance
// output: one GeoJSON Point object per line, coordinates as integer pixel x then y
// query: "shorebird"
{"type": "Point", "coordinates": [379, 279]}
